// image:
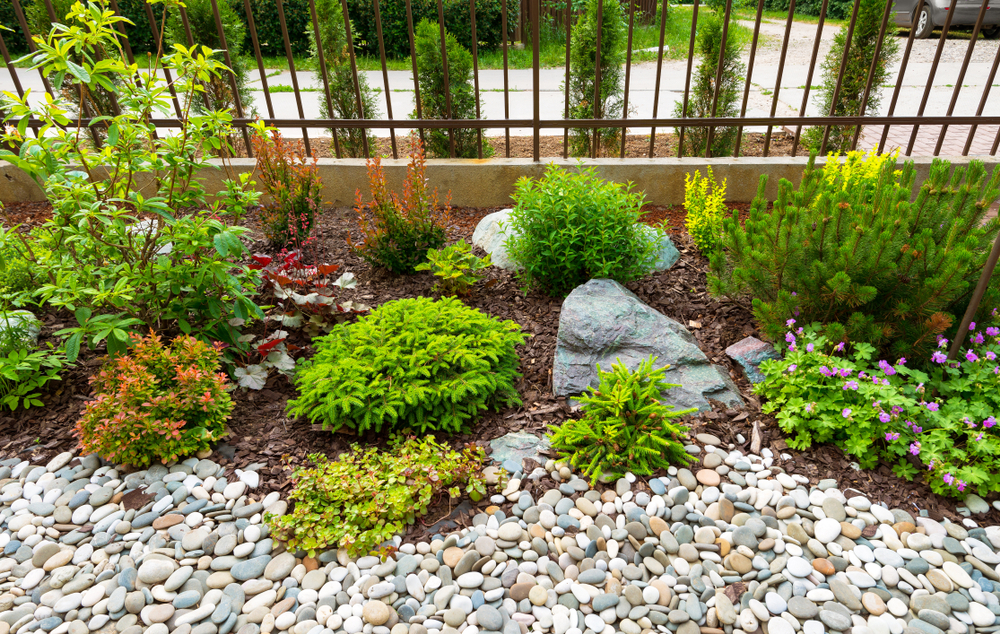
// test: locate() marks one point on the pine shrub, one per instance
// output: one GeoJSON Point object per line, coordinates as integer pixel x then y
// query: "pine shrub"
{"type": "Point", "coordinates": [416, 364]}
{"type": "Point", "coordinates": [340, 80]}
{"type": "Point", "coordinates": [157, 403]}
{"type": "Point", "coordinates": [624, 426]}
{"type": "Point", "coordinates": [397, 231]}
{"type": "Point", "coordinates": [292, 181]}
{"type": "Point", "coordinates": [852, 89]}
{"type": "Point", "coordinates": [433, 100]}
{"type": "Point", "coordinates": [583, 75]}
{"type": "Point", "coordinates": [848, 249]}
{"type": "Point", "coordinates": [570, 227]}
{"type": "Point", "coordinates": [703, 89]}
{"type": "Point", "coordinates": [705, 203]}
{"type": "Point", "coordinates": [359, 500]}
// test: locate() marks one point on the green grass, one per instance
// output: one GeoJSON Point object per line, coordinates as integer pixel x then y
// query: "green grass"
{"type": "Point", "coordinates": [750, 14]}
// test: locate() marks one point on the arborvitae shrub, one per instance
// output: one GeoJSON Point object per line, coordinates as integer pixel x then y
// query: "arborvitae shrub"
{"type": "Point", "coordinates": [397, 230]}
{"type": "Point", "coordinates": [849, 250]}
{"type": "Point", "coordinates": [569, 227]}
{"type": "Point", "coordinates": [157, 403]}
{"type": "Point", "coordinates": [852, 89]}
{"type": "Point", "coordinates": [703, 88]}
{"type": "Point", "coordinates": [433, 103]}
{"type": "Point", "coordinates": [359, 500]}
{"type": "Point", "coordinates": [624, 426]}
{"type": "Point", "coordinates": [340, 80]}
{"type": "Point", "coordinates": [416, 364]}
{"type": "Point", "coordinates": [705, 203]}
{"type": "Point", "coordinates": [583, 69]}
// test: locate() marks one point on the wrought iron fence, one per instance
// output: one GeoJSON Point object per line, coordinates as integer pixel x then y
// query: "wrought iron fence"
{"type": "Point", "coordinates": [529, 14]}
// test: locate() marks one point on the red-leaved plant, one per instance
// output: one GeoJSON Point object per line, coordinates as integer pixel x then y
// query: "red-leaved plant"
{"type": "Point", "coordinates": [398, 230]}
{"type": "Point", "coordinates": [156, 403]}
{"type": "Point", "coordinates": [292, 181]}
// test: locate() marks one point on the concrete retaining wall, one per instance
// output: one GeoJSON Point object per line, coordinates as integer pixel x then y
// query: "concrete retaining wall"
{"type": "Point", "coordinates": [490, 182]}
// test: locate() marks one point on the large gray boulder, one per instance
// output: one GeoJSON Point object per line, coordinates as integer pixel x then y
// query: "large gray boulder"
{"type": "Point", "coordinates": [492, 231]}
{"type": "Point", "coordinates": [602, 321]}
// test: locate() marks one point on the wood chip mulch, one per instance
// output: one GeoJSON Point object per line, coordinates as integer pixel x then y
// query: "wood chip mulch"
{"type": "Point", "coordinates": [262, 434]}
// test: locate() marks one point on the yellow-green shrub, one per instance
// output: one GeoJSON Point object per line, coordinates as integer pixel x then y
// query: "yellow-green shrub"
{"type": "Point", "coordinates": [705, 201]}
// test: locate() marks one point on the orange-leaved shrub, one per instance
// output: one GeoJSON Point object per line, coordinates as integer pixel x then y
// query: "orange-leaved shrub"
{"type": "Point", "coordinates": [157, 402]}
{"type": "Point", "coordinates": [398, 230]}
{"type": "Point", "coordinates": [292, 181]}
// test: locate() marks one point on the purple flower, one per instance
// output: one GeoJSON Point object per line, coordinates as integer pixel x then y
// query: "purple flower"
{"type": "Point", "coordinates": [846, 412]}
{"type": "Point", "coordinates": [792, 347]}
{"type": "Point", "coordinates": [902, 361]}
{"type": "Point", "coordinates": [971, 356]}
{"type": "Point", "coordinates": [938, 357]}
{"type": "Point", "coordinates": [942, 342]}
{"type": "Point", "coordinates": [968, 423]}
{"type": "Point", "coordinates": [993, 331]}
{"type": "Point", "coordinates": [896, 409]}
{"type": "Point", "coordinates": [932, 406]}
{"type": "Point", "coordinates": [980, 436]}
{"type": "Point", "coordinates": [917, 429]}
{"type": "Point", "coordinates": [839, 347]}
{"type": "Point", "coordinates": [809, 347]}
{"type": "Point", "coordinates": [891, 436]}
{"type": "Point", "coordinates": [972, 326]}
{"type": "Point", "coordinates": [862, 375]}
{"type": "Point", "coordinates": [915, 448]}
{"type": "Point", "coordinates": [885, 367]}
{"type": "Point", "coordinates": [948, 478]}
{"type": "Point", "coordinates": [885, 382]}
{"type": "Point", "coordinates": [789, 337]}
{"type": "Point", "coordinates": [991, 356]}
{"type": "Point", "coordinates": [930, 466]}
{"type": "Point", "coordinates": [960, 485]}
{"type": "Point", "coordinates": [790, 323]}
{"type": "Point", "coordinates": [979, 339]}
{"type": "Point", "coordinates": [884, 417]}
{"type": "Point", "coordinates": [810, 406]}
{"type": "Point", "coordinates": [845, 372]}
{"type": "Point", "coordinates": [851, 385]}
{"type": "Point", "coordinates": [996, 370]}
{"type": "Point", "coordinates": [800, 330]}
{"type": "Point", "coordinates": [825, 371]}
{"type": "Point", "coordinates": [792, 367]}
{"type": "Point", "coordinates": [794, 294]}
{"type": "Point", "coordinates": [989, 422]}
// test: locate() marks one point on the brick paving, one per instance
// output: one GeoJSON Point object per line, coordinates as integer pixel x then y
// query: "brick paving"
{"type": "Point", "coordinates": [927, 137]}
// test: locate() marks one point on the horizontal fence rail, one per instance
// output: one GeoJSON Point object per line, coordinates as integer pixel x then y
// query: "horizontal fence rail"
{"type": "Point", "coordinates": [506, 27]}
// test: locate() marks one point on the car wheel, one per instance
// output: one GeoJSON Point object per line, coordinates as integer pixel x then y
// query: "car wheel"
{"type": "Point", "coordinates": [924, 24]}
{"type": "Point", "coordinates": [992, 32]}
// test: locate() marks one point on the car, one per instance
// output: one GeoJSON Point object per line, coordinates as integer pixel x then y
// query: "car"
{"type": "Point", "coordinates": [933, 13]}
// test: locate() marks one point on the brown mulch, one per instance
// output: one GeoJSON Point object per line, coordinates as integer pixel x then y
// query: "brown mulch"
{"type": "Point", "coordinates": [262, 433]}
{"type": "Point", "coordinates": [636, 146]}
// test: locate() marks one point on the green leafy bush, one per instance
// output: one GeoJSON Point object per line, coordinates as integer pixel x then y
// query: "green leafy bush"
{"type": "Point", "coordinates": [939, 423]}
{"type": "Point", "coordinates": [861, 55]}
{"type": "Point", "coordinates": [411, 363]}
{"type": "Point", "coordinates": [340, 80]}
{"type": "Point", "coordinates": [624, 426]}
{"type": "Point", "coordinates": [457, 267]}
{"type": "Point", "coordinates": [140, 36]}
{"type": "Point", "coordinates": [268, 24]}
{"type": "Point", "coordinates": [24, 370]}
{"type": "Point", "coordinates": [292, 181]}
{"type": "Point", "coordinates": [705, 203]}
{"type": "Point", "coordinates": [703, 88]}
{"type": "Point", "coordinates": [15, 269]}
{"type": "Point", "coordinates": [201, 19]}
{"type": "Point", "coordinates": [434, 95]}
{"type": "Point", "coordinates": [397, 231]}
{"type": "Point", "coordinates": [121, 256]}
{"type": "Point", "coordinates": [569, 227]}
{"type": "Point", "coordinates": [583, 69]}
{"type": "Point", "coordinates": [157, 403]}
{"type": "Point", "coordinates": [849, 249]}
{"type": "Point", "coordinates": [489, 23]}
{"type": "Point", "coordinates": [366, 496]}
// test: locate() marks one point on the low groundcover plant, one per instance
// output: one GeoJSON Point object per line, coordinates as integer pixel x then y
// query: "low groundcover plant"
{"type": "Point", "coordinates": [939, 423]}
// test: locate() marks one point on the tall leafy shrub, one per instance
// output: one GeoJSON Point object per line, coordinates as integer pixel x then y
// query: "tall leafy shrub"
{"type": "Point", "coordinates": [569, 227]}
{"type": "Point", "coordinates": [705, 204]}
{"type": "Point", "coordinates": [340, 81]}
{"type": "Point", "coordinates": [848, 249]}
{"type": "Point", "coordinates": [583, 69]}
{"type": "Point", "coordinates": [411, 363]}
{"type": "Point", "coordinates": [268, 24]}
{"type": "Point", "coordinates": [292, 181]}
{"type": "Point", "coordinates": [433, 99]}
{"type": "Point", "coordinates": [860, 56]}
{"type": "Point", "coordinates": [703, 88]}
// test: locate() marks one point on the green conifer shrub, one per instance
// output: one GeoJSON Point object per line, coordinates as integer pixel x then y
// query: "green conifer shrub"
{"type": "Point", "coordinates": [583, 69]}
{"type": "Point", "coordinates": [848, 249]}
{"type": "Point", "coordinates": [570, 227]}
{"type": "Point", "coordinates": [340, 80]}
{"type": "Point", "coordinates": [703, 88]}
{"type": "Point", "coordinates": [359, 500]}
{"type": "Point", "coordinates": [415, 364]}
{"type": "Point", "coordinates": [624, 426]}
{"type": "Point", "coordinates": [433, 101]}
{"type": "Point", "coordinates": [852, 89]}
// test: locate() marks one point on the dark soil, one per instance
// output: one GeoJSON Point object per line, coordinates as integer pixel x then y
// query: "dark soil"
{"type": "Point", "coordinates": [262, 433]}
